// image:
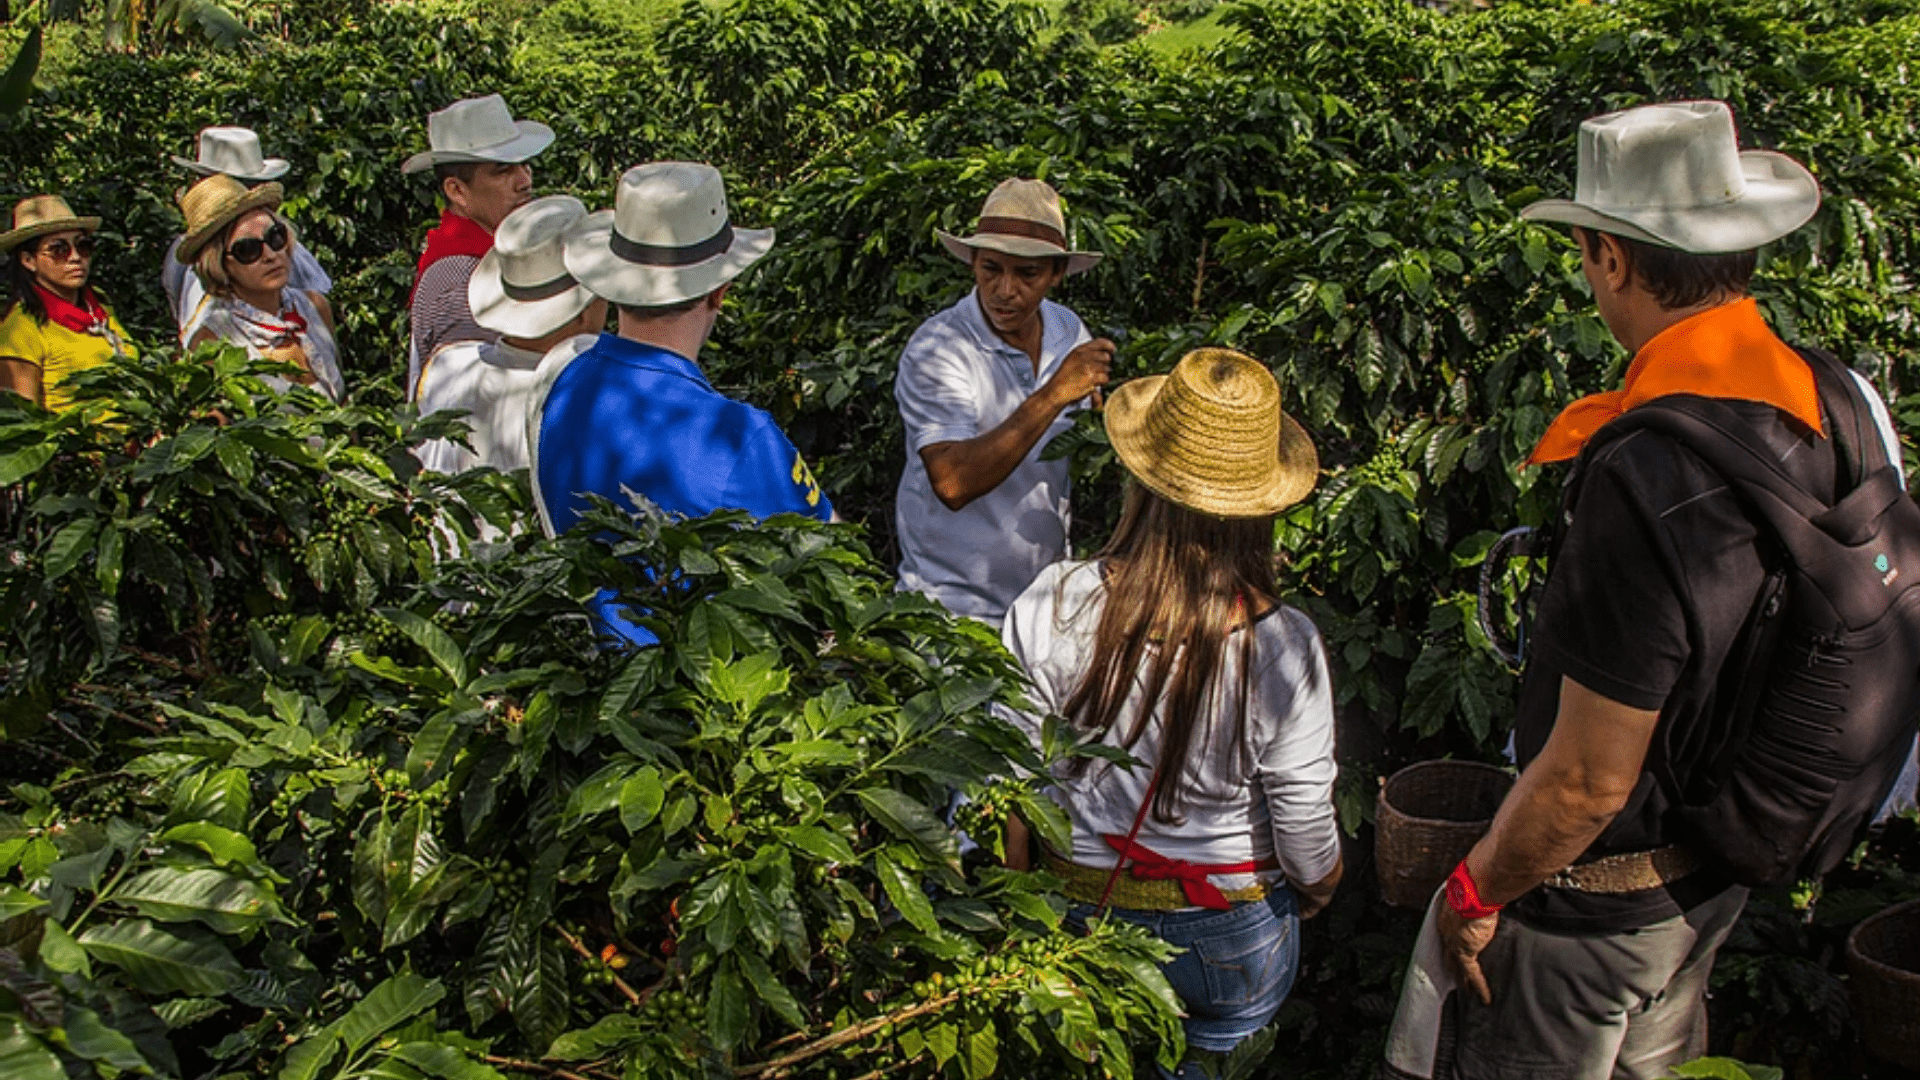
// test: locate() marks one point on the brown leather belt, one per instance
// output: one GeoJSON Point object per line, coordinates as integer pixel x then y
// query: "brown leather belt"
{"type": "Point", "coordinates": [1085, 883]}
{"type": "Point", "coordinates": [1629, 872]}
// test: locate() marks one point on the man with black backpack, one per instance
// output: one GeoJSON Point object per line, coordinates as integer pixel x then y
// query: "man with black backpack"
{"type": "Point", "coordinates": [1702, 708]}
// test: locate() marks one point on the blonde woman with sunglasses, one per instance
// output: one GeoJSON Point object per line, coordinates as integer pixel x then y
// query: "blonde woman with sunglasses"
{"type": "Point", "coordinates": [241, 249]}
{"type": "Point", "coordinates": [56, 325]}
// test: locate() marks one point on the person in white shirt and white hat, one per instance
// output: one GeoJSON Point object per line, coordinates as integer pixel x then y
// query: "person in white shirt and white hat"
{"type": "Point", "coordinates": [522, 291]}
{"type": "Point", "coordinates": [235, 152]}
{"type": "Point", "coordinates": [982, 388]}
{"type": "Point", "coordinates": [478, 154]}
{"type": "Point", "coordinates": [1576, 939]}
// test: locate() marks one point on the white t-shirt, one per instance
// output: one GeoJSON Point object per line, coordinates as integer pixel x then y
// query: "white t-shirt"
{"type": "Point", "coordinates": [1273, 797]}
{"type": "Point", "coordinates": [495, 384]}
{"type": "Point", "coordinates": [957, 380]}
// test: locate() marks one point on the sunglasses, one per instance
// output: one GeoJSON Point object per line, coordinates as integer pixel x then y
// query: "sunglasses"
{"type": "Point", "coordinates": [62, 249]}
{"type": "Point", "coordinates": [250, 250]}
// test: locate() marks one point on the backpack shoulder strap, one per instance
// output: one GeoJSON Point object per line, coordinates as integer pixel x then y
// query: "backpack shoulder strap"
{"type": "Point", "coordinates": [1719, 437]}
{"type": "Point", "coordinates": [1850, 419]}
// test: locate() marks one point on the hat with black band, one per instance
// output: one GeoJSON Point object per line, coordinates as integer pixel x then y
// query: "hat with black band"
{"type": "Point", "coordinates": [521, 287]}
{"type": "Point", "coordinates": [668, 238]}
{"type": "Point", "coordinates": [1023, 218]}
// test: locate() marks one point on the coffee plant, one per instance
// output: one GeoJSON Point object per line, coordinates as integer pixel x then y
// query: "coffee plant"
{"type": "Point", "coordinates": [323, 789]}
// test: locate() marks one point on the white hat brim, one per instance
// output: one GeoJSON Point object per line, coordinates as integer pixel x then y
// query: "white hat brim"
{"type": "Point", "coordinates": [272, 168]}
{"type": "Point", "coordinates": [533, 138]}
{"type": "Point", "coordinates": [1780, 196]}
{"type": "Point", "coordinates": [962, 248]}
{"type": "Point", "coordinates": [494, 310]}
{"type": "Point", "coordinates": [590, 259]}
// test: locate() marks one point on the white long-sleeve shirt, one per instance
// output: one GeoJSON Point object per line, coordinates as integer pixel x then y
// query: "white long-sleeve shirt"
{"type": "Point", "coordinates": [1271, 799]}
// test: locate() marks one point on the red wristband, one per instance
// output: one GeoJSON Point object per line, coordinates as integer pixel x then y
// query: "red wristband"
{"type": "Point", "coordinates": [1463, 896]}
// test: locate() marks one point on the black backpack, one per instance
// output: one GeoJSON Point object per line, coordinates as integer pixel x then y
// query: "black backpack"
{"type": "Point", "coordinates": [1825, 683]}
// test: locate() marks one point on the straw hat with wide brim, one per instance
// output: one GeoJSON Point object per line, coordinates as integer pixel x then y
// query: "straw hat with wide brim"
{"type": "Point", "coordinates": [1673, 174]}
{"type": "Point", "coordinates": [38, 215]}
{"type": "Point", "coordinates": [1211, 437]}
{"type": "Point", "coordinates": [212, 204]}
{"type": "Point", "coordinates": [667, 239]}
{"type": "Point", "coordinates": [1020, 217]}
{"type": "Point", "coordinates": [521, 287]}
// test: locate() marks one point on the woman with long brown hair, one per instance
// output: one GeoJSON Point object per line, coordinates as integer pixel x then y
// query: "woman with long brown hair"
{"type": "Point", "coordinates": [1173, 646]}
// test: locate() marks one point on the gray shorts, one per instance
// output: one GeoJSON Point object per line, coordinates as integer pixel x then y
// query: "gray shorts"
{"type": "Point", "coordinates": [1622, 1006]}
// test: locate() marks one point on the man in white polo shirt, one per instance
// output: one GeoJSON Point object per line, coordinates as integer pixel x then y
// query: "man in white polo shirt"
{"type": "Point", "coordinates": [983, 386]}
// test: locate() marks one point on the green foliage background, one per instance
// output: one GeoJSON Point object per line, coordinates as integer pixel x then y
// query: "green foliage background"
{"type": "Point", "coordinates": [1332, 187]}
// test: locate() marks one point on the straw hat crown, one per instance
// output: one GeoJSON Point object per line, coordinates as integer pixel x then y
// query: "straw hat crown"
{"type": "Point", "coordinates": [234, 151]}
{"type": "Point", "coordinates": [213, 203]}
{"type": "Point", "coordinates": [1020, 217]}
{"type": "Point", "coordinates": [521, 286]}
{"type": "Point", "coordinates": [38, 215]}
{"type": "Point", "coordinates": [1673, 174]}
{"type": "Point", "coordinates": [1211, 436]}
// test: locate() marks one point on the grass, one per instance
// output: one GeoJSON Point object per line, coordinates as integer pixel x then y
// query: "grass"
{"type": "Point", "coordinates": [1201, 33]}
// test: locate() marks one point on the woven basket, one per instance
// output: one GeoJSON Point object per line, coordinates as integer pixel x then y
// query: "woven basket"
{"type": "Point", "coordinates": [1428, 817]}
{"type": "Point", "coordinates": [1883, 961]}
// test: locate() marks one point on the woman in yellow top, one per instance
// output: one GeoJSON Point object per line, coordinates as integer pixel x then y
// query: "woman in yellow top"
{"type": "Point", "coordinates": [56, 325]}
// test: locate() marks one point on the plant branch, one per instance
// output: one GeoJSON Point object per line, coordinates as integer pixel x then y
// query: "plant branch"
{"type": "Point", "coordinates": [518, 1065]}
{"type": "Point", "coordinates": [147, 726]}
{"type": "Point", "coordinates": [777, 1067]}
{"type": "Point", "coordinates": [632, 996]}
{"type": "Point", "coordinates": [126, 863]}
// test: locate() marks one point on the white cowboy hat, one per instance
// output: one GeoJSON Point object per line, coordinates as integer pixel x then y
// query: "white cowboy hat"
{"type": "Point", "coordinates": [235, 152]}
{"type": "Point", "coordinates": [1020, 217]}
{"type": "Point", "coordinates": [478, 129]}
{"type": "Point", "coordinates": [521, 287]}
{"type": "Point", "coordinates": [666, 240]}
{"type": "Point", "coordinates": [1674, 174]}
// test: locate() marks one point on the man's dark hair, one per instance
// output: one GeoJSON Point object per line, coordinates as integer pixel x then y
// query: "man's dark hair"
{"type": "Point", "coordinates": [464, 171]}
{"type": "Point", "coordinates": [660, 311]}
{"type": "Point", "coordinates": [20, 281]}
{"type": "Point", "coordinates": [1679, 279]}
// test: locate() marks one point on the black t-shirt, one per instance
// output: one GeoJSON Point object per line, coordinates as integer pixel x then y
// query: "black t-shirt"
{"type": "Point", "coordinates": [1645, 601]}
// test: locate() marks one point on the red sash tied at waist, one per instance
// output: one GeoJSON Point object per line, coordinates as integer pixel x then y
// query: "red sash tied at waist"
{"type": "Point", "coordinates": [1150, 865]}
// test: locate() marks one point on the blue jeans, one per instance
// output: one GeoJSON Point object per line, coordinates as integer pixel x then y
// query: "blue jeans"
{"type": "Point", "coordinates": [1238, 965]}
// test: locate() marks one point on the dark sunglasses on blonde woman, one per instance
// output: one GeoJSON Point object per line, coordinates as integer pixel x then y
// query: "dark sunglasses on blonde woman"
{"type": "Point", "coordinates": [248, 251]}
{"type": "Point", "coordinates": [60, 250]}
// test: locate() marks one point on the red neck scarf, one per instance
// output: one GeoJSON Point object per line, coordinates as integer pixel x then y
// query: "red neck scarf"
{"type": "Point", "coordinates": [89, 316]}
{"type": "Point", "coordinates": [1723, 352]}
{"type": "Point", "coordinates": [456, 234]}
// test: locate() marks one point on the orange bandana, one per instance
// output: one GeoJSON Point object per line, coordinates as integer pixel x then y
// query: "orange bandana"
{"type": "Point", "coordinates": [1723, 352]}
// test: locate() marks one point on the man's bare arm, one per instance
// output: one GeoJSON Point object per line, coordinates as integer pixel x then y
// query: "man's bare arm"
{"type": "Point", "coordinates": [1562, 802]}
{"type": "Point", "coordinates": [965, 469]}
